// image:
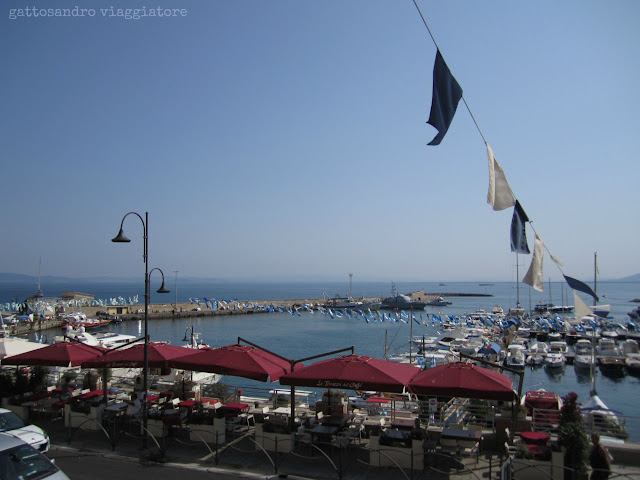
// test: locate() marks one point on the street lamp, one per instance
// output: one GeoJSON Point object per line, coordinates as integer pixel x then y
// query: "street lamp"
{"type": "Point", "coordinates": [122, 238]}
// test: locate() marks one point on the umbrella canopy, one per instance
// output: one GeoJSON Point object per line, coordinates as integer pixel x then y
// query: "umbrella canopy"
{"type": "Point", "coordinates": [13, 346]}
{"type": "Point", "coordinates": [461, 379]}
{"type": "Point", "coordinates": [63, 354]}
{"type": "Point", "coordinates": [353, 372]}
{"type": "Point", "coordinates": [159, 355]}
{"type": "Point", "coordinates": [237, 360]}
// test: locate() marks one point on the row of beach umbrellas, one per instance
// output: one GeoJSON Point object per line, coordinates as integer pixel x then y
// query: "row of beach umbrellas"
{"type": "Point", "coordinates": [350, 372]}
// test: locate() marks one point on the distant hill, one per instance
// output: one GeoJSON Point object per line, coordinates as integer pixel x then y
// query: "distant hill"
{"type": "Point", "coordinates": [21, 279]}
{"type": "Point", "coordinates": [632, 278]}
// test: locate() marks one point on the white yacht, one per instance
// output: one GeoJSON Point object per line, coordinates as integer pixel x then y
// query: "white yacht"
{"type": "Point", "coordinates": [105, 339]}
{"type": "Point", "coordinates": [554, 360]}
{"type": "Point", "coordinates": [538, 347]}
{"type": "Point", "coordinates": [607, 347]}
{"type": "Point", "coordinates": [584, 358]}
{"type": "Point", "coordinates": [559, 346]}
{"type": "Point", "coordinates": [515, 356]}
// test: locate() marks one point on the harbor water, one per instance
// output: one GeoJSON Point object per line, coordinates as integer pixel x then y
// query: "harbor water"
{"type": "Point", "coordinates": [306, 334]}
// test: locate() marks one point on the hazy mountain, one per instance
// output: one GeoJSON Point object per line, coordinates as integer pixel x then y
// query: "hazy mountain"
{"type": "Point", "coordinates": [632, 278]}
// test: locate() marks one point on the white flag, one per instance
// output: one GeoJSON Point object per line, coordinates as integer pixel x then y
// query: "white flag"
{"type": "Point", "coordinates": [500, 195]}
{"type": "Point", "coordinates": [581, 308]}
{"type": "Point", "coordinates": [534, 275]}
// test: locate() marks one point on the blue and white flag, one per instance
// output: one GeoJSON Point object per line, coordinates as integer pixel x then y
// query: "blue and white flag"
{"type": "Point", "coordinates": [446, 95]}
{"type": "Point", "coordinates": [500, 195]}
{"type": "Point", "coordinates": [581, 287]}
{"type": "Point", "coordinates": [518, 230]}
{"type": "Point", "coordinates": [534, 277]}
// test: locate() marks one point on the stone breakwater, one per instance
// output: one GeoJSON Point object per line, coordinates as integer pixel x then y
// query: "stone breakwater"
{"type": "Point", "coordinates": [192, 309]}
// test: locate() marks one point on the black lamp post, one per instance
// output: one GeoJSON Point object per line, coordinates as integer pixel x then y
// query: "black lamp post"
{"type": "Point", "coordinates": [122, 238]}
{"type": "Point", "coordinates": [187, 339]}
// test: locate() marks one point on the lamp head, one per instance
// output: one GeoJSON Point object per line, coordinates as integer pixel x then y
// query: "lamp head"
{"type": "Point", "coordinates": [121, 237]}
{"type": "Point", "coordinates": [163, 289]}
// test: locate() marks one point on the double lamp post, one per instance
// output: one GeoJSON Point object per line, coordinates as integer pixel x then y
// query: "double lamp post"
{"type": "Point", "coordinates": [122, 238]}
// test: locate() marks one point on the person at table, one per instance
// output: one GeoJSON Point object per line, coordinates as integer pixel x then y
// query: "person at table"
{"type": "Point", "coordinates": [133, 406]}
{"type": "Point", "coordinates": [599, 460]}
{"type": "Point", "coordinates": [417, 432]}
{"type": "Point", "coordinates": [64, 395]}
{"type": "Point", "coordinates": [138, 387]}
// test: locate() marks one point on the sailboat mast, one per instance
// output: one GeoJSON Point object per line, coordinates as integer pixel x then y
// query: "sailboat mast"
{"type": "Point", "coordinates": [595, 275]}
{"type": "Point", "coordinates": [350, 284]}
{"type": "Point", "coordinates": [411, 335]}
{"type": "Point", "coordinates": [517, 282]}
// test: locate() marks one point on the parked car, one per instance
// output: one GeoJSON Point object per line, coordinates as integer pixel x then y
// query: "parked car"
{"type": "Point", "coordinates": [11, 424]}
{"type": "Point", "coordinates": [20, 461]}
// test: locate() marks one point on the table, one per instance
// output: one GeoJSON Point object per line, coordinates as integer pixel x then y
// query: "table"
{"type": "Point", "coordinates": [465, 438]}
{"type": "Point", "coordinates": [116, 407]}
{"type": "Point", "coordinates": [90, 395]}
{"type": "Point", "coordinates": [535, 438]}
{"type": "Point", "coordinates": [281, 411]}
{"type": "Point", "coordinates": [406, 423]}
{"type": "Point", "coordinates": [335, 420]}
{"type": "Point", "coordinates": [395, 434]}
{"type": "Point", "coordinates": [324, 432]}
{"type": "Point", "coordinates": [234, 409]}
{"type": "Point", "coordinates": [461, 434]}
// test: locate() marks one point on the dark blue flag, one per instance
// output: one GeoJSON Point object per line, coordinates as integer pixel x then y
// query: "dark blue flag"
{"type": "Point", "coordinates": [581, 287]}
{"type": "Point", "coordinates": [518, 231]}
{"type": "Point", "coordinates": [446, 95]}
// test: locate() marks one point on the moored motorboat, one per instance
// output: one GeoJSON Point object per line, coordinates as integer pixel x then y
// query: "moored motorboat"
{"type": "Point", "coordinates": [632, 363]}
{"type": "Point", "coordinates": [612, 366]}
{"type": "Point", "coordinates": [438, 302]}
{"type": "Point", "coordinates": [515, 357]}
{"type": "Point", "coordinates": [534, 360]}
{"type": "Point", "coordinates": [554, 360]}
{"type": "Point", "coordinates": [584, 358]}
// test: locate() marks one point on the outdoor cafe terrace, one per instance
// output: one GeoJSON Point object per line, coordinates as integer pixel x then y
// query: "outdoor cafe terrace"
{"type": "Point", "coordinates": [455, 425]}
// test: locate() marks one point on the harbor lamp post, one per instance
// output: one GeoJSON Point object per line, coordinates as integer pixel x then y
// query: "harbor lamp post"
{"type": "Point", "coordinates": [122, 238]}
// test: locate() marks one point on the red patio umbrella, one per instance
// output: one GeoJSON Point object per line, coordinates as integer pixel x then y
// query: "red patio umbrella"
{"type": "Point", "coordinates": [63, 354]}
{"type": "Point", "coordinates": [237, 360]}
{"type": "Point", "coordinates": [461, 379]}
{"type": "Point", "coordinates": [353, 372]}
{"type": "Point", "coordinates": [159, 356]}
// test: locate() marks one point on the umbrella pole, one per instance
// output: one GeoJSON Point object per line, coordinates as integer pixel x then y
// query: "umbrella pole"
{"type": "Point", "coordinates": [105, 398]}
{"type": "Point", "coordinates": [292, 419]}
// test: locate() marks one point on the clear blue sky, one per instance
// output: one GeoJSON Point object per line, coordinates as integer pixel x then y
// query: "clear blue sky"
{"type": "Point", "coordinates": [288, 138]}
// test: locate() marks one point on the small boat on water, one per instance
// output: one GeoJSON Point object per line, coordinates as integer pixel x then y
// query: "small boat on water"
{"type": "Point", "coordinates": [584, 358]}
{"type": "Point", "coordinates": [601, 419]}
{"type": "Point", "coordinates": [438, 302]}
{"type": "Point", "coordinates": [534, 360]}
{"type": "Point", "coordinates": [515, 357]}
{"type": "Point", "coordinates": [105, 339]}
{"type": "Point", "coordinates": [632, 362]}
{"type": "Point", "coordinates": [79, 319]}
{"type": "Point", "coordinates": [554, 360]}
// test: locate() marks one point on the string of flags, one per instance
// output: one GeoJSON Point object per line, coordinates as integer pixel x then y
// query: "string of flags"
{"type": "Point", "coordinates": [447, 94]}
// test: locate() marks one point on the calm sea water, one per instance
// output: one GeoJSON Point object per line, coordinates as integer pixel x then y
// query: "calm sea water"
{"type": "Point", "coordinates": [309, 334]}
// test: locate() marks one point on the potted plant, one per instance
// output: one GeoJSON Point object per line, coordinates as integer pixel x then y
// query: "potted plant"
{"type": "Point", "coordinates": [572, 437]}
{"type": "Point", "coordinates": [334, 398]}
